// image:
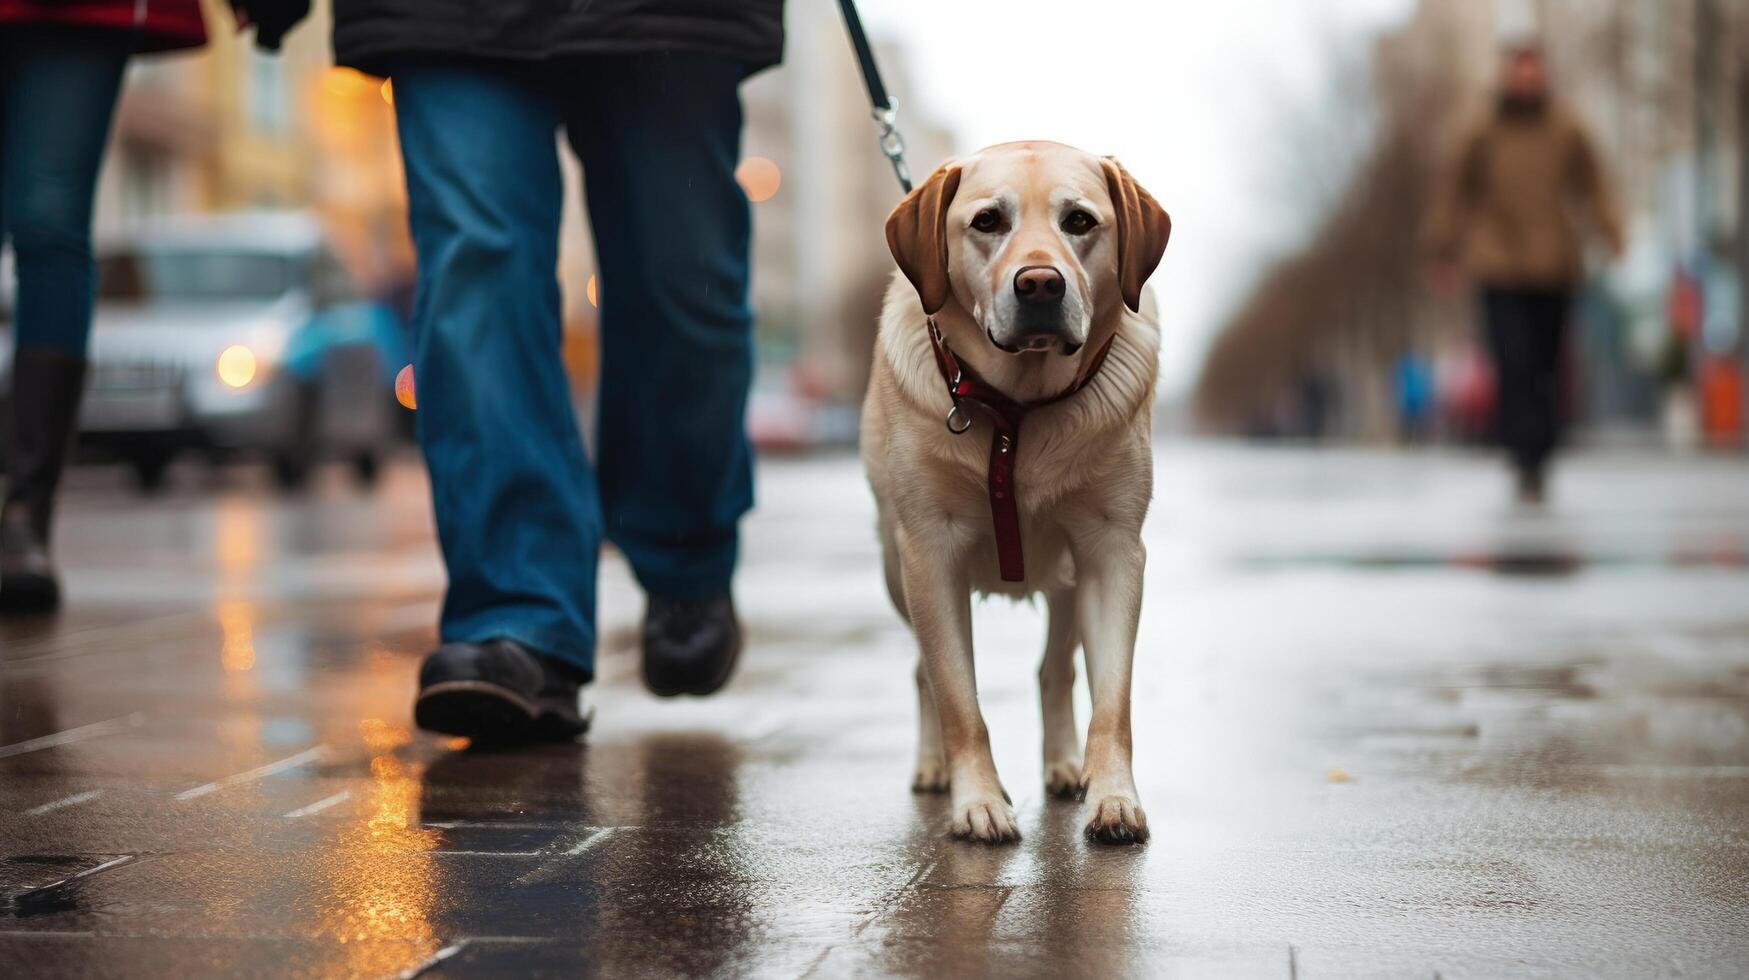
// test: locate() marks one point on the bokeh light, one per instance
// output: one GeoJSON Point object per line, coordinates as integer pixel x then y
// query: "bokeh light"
{"type": "Point", "coordinates": [388, 91]}
{"type": "Point", "coordinates": [759, 178]}
{"type": "Point", "coordinates": [592, 292]}
{"type": "Point", "coordinates": [404, 389]}
{"type": "Point", "coordinates": [236, 366]}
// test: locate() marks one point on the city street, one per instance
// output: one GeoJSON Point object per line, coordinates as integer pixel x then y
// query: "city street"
{"type": "Point", "coordinates": [1388, 724]}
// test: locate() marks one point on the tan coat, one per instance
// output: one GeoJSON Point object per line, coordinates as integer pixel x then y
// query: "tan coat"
{"type": "Point", "coordinates": [1513, 208]}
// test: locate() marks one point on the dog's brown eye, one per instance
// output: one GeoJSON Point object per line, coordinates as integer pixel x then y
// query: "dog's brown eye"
{"type": "Point", "coordinates": [1078, 222]}
{"type": "Point", "coordinates": [987, 220]}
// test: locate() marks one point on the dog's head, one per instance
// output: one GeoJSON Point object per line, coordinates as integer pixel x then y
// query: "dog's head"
{"type": "Point", "coordinates": [1037, 241]}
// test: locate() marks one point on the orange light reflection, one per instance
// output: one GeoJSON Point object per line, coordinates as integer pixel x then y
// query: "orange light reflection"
{"type": "Point", "coordinates": [381, 879]}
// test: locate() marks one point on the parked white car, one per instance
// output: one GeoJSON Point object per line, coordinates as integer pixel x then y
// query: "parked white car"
{"type": "Point", "coordinates": [237, 333]}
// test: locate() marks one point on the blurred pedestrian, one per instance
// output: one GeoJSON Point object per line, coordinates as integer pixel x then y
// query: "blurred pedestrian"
{"type": "Point", "coordinates": [61, 66]}
{"type": "Point", "coordinates": [1509, 217]}
{"type": "Point", "coordinates": [647, 95]}
{"type": "Point", "coordinates": [1412, 388]}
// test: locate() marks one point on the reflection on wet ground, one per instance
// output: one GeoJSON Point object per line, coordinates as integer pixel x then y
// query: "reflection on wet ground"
{"type": "Point", "coordinates": [1528, 563]}
{"type": "Point", "coordinates": [1362, 751]}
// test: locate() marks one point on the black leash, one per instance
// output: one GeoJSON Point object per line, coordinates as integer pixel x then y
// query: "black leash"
{"type": "Point", "coordinates": [885, 108]}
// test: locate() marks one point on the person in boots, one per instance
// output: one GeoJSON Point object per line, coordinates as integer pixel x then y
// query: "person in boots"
{"type": "Point", "coordinates": [61, 67]}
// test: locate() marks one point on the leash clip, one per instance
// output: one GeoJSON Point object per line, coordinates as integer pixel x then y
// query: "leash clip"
{"type": "Point", "coordinates": [892, 143]}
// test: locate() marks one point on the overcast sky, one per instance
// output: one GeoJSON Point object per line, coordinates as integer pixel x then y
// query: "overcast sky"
{"type": "Point", "coordinates": [1182, 92]}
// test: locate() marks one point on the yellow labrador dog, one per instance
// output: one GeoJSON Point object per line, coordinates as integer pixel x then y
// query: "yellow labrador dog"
{"type": "Point", "coordinates": [1006, 436]}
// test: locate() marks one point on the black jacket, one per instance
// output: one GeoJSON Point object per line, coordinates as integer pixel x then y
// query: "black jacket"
{"type": "Point", "coordinates": [370, 34]}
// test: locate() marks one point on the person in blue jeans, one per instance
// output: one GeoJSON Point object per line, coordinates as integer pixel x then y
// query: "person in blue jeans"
{"type": "Point", "coordinates": [58, 88]}
{"type": "Point", "coordinates": [60, 72]}
{"type": "Point", "coordinates": [646, 93]}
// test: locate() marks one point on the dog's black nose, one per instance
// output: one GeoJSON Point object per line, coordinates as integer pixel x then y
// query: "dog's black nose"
{"type": "Point", "coordinates": [1039, 285]}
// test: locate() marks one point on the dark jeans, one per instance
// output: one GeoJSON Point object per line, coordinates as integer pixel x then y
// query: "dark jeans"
{"type": "Point", "coordinates": [521, 511]}
{"type": "Point", "coordinates": [1527, 331]}
{"type": "Point", "coordinates": [57, 93]}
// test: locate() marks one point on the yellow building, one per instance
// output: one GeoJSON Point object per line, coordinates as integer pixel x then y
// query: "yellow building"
{"type": "Point", "coordinates": [230, 127]}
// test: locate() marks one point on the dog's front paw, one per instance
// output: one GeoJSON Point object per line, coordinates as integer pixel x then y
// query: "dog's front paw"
{"type": "Point", "coordinates": [931, 776]}
{"type": "Point", "coordinates": [1063, 779]}
{"type": "Point", "coordinates": [986, 819]}
{"type": "Point", "coordinates": [1117, 819]}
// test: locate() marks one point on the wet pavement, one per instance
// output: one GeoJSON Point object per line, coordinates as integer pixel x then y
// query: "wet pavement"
{"type": "Point", "coordinates": [1387, 725]}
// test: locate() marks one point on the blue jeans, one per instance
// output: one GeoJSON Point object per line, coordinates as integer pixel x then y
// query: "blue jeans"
{"type": "Point", "coordinates": [521, 510]}
{"type": "Point", "coordinates": [57, 93]}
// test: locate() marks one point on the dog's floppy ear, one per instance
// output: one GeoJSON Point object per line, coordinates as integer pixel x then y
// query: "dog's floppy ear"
{"type": "Point", "coordinates": [1142, 229]}
{"type": "Point", "coordinates": [917, 236]}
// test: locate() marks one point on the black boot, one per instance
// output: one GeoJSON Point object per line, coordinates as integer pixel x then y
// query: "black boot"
{"type": "Point", "coordinates": [690, 646]}
{"type": "Point", "coordinates": [1532, 487]}
{"type": "Point", "coordinates": [1532, 473]}
{"type": "Point", "coordinates": [46, 387]}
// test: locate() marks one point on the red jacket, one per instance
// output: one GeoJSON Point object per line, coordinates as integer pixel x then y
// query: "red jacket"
{"type": "Point", "coordinates": [161, 24]}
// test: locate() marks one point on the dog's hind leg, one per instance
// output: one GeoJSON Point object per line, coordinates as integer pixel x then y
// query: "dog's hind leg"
{"type": "Point", "coordinates": [931, 775]}
{"type": "Point", "coordinates": [1056, 694]}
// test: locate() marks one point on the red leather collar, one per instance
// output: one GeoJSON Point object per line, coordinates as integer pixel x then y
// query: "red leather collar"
{"type": "Point", "coordinates": [964, 387]}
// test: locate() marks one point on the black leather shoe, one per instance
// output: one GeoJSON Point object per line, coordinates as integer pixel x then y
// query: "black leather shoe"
{"type": "Point", "coordinates": [690, 646]}
{"type": "Point", "coordinates": [499, 692]}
